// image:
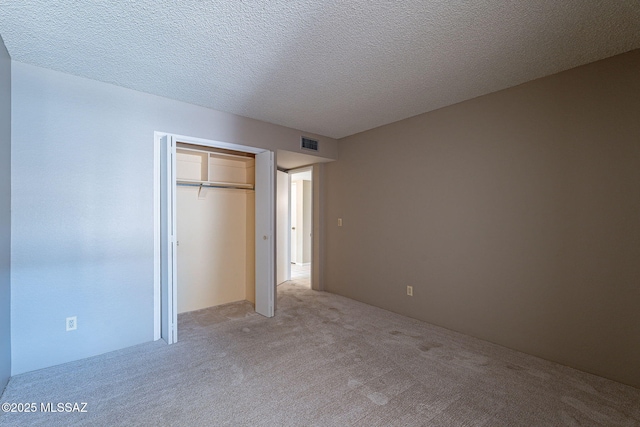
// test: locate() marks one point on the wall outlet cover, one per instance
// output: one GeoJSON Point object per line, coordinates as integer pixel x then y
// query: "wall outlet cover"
{"type": "Point", "coordinates": [72, 323]}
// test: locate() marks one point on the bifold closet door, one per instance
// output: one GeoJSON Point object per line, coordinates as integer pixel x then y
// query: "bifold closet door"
{"type": "Point", "coordinates": [265, 241]}
{"type": "Point", "coordinates": [168, 324]}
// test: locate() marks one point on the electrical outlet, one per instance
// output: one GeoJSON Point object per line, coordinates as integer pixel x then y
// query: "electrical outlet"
{"type": "Point", "coordinates": [72, 323]}
{"type": "Point", "coordinates": [410, 291]}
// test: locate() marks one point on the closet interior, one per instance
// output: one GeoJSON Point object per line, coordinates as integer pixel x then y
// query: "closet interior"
{"type": "Point", "coordinates": [215, 215]}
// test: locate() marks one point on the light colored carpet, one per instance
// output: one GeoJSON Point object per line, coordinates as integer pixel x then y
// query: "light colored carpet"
{"type": "Point", "coordinates": [323, 360]}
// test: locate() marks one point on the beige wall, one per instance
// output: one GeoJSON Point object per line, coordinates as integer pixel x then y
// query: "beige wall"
{"type": "Point", "coordinates": [250, 258]}
{"type": "Point", "coordinates": [318, 251]}
{"type": "Point", "coordinates": [306, 221]}
{"type": "Point", "coordinates": [515, 217]}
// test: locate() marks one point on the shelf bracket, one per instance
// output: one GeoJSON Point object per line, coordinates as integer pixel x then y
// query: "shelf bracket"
{"type": "Point", "coordinates": [202, 192]}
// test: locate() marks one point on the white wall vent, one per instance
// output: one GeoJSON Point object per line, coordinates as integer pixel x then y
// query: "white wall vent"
{"type": "Point", "coordinates": [309, 144]}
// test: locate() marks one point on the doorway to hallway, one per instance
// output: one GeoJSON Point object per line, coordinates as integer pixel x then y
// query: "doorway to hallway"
{"type": "Point", "coordinates": [301, 220]}
{"type": "Point", "coordinates": [295, 222]}
{"type": "Point", "coordinates": [301, 275]}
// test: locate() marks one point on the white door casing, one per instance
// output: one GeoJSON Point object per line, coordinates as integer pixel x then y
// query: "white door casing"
{"type": "Point", "coordinates": [283, 259]}
{"type": "Point", "coordinates": [293, 203]}
{"type": "Point", "coordinates": [165, 265]}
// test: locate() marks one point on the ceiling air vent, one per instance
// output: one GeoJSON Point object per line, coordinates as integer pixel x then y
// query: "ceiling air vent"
{"type": "Point", "coordinates": [309, 144]}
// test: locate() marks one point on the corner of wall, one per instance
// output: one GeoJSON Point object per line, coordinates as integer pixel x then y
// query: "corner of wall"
{"type": "Point", "coordinates": [5, 216]}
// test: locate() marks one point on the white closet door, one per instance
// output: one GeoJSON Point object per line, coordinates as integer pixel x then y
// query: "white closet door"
{"type": "Point", "coordinates": [169, 324]}
{"type": "Point", "coordinates": [265, 242]}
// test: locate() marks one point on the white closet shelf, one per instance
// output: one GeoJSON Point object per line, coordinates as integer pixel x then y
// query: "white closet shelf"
{"type": "Point", "coordinates": [214, 154]}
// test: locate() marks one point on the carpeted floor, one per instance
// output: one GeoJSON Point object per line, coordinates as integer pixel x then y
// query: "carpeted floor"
{"type": "Point", "coordinates": [323, 360]}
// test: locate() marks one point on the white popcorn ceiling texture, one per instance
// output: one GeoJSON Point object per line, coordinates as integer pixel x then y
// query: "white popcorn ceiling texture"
{"type": "Point", "coordinates": [330, 67]}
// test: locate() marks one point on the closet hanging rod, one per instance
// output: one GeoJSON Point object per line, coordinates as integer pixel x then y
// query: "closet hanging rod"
{"type": "Point", "coordinates": [232, 187]}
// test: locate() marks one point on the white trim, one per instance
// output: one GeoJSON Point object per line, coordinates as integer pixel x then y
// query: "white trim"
{"type": "Point", "coordinates": [311, 264]}
{"type": "Point", "coordinates": [171, 187]}
{"type": "Point", "coordinates": [287, 248]}
{"type": "Point", "coordinates": [216, 144]}
{"type": "Point", "coordinates": [289, 213]}
{"type": "Point", "coordinates": [156, 235]}
{"type": "Point", "coordinates": [288, 226]}
{"type": "Point", "coordinates": [156, 212]}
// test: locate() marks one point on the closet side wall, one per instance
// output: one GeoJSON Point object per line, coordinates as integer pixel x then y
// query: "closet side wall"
{"type": "Point", "coordinates": [250, 257]}
{"type": "Point", "coordinates": [212, 236]}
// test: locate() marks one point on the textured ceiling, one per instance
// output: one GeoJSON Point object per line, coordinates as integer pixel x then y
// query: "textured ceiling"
{"type": "Point", "coordinates": [330, 67]}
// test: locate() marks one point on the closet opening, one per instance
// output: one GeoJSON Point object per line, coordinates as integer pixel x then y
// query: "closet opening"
{"type": "Point", "coordinates": [214, 222]}
{"type": "Point", "coordinates": [215, 216]}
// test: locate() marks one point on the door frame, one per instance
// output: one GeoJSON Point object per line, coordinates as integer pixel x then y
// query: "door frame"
{"type": "Point", "coordinates": [286, 248]}
{"type": "Point", "coordinates": [293, 221]}
{"type": "Point", "coordinates": [157, 287]}
{"type": "Point", "coordinates": [314, 177]}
